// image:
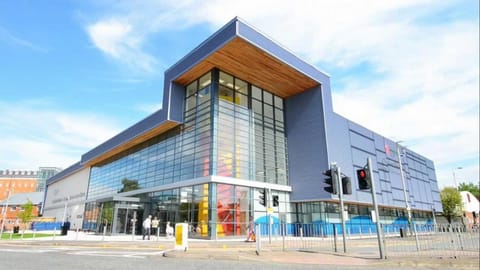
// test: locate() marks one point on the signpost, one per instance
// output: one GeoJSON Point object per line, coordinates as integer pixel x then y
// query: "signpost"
{"type": "Point", "coordinates": [338, 178]}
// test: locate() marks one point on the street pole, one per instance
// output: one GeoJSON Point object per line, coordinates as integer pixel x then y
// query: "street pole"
{"type": "Point", "coordinates": [4, 213]}
{"type": "Point", "coordinates": [375, 207]}
{"type": "Point", "coordinates": [134, 221]}
{"type": "Point", "coordinates": [455, 179]}
{"type": "Point", "coordinates": [65, 209]}
{"type": "Point", "coordinates": [411, 226]}
{"type": "Point", "coordinates": [269, 215]}
{"type": "Point", "coordinates": [405, 197]}
{"type": "Point", "coordinates": [338, 179]}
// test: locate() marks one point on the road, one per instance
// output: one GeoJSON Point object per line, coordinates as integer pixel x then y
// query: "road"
{"type": "Point", "coordinates": [71, 256]}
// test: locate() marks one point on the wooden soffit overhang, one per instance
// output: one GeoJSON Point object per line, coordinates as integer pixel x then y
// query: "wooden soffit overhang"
{"type": "Point", "coordinates": [247, 62]}
{"type": "Point", "coordinates": [157, 130]}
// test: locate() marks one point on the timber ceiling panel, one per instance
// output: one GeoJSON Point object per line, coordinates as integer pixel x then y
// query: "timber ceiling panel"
{"type": "Point", "coordinates": [247, 62]}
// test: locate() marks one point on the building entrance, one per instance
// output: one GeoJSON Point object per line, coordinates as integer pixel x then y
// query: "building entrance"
{"type": "Point", "coordinates": [127, 216]}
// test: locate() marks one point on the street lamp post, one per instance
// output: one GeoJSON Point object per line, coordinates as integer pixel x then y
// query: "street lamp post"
{"type": "Point", "coordinates": [411, 226]}
{"type": "Point", "coordinates": [454, 179]}
{"type": "Point", "coordinates": [405, 196]}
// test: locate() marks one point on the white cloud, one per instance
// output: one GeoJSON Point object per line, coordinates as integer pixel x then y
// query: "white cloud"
{"type": "Point", "coordinates": [425, 88]}
{"type": "Point", "coordinates": [117, 39]}
{"type": "Point", "coordinates": [33, 135]}
{"type": "Point", "coordinates": [9, 38]}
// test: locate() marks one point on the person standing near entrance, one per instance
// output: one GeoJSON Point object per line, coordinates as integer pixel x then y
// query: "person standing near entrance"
{"type": "Point", "coordinates": [155, 223]}
{"type": "Point", "coordinates": [147, 225]}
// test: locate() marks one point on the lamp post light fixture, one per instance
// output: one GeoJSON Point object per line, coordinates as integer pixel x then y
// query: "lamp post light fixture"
{"type": "Point", "coordinates": [454, 179]}
{"type": "Point", "coordinates": [405, 196]}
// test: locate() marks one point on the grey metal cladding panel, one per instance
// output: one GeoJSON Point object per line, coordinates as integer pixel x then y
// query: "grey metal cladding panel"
{"type": "Point", "coordinates": [144, 125]}
{"type": "Point", "coordinates": [177, 98]}
{"type": "Point", "coordinates": [217, 40]}
{"type": "Point", "coordinates": [430, 164]}
{"type": "Point", "coordinates": [307, 153]}
{"type": "Point", "coordinates": [279, 52]}
{"type": "Point", "coordinates": [360, 129]}
{"type": "Point", "coordinates": [362, 142]}
{"type": "Point", "coordinates": [338, 143]}
{"type": "Point", "coordinates": [379, 142]}
{"type": "Point", "coordinates": [431, 175]}
{"type": "Point", "coordinates": [73, 168]}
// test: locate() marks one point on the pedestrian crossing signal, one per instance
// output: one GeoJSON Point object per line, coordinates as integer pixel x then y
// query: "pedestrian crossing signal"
{"type": "Point", "coordinates": [275, 200]}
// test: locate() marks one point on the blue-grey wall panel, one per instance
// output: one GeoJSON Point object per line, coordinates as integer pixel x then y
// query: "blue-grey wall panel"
{"type": "Point", "coordinates": [177, 97]}
{"type": "Point", "coordinates": [349, 144]}
{"type": "Point", "coordinates": [307, 152]}
{"type": "Point", "coordinates": [360, 130]}
{"type": "Point", "coordinates": [359, 141]}
{"type": "Point", "coordinates": [214, 42]}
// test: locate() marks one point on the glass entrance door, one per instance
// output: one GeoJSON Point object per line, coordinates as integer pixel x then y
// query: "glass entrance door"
{"type": "Point", "coordinates": [125, 216]}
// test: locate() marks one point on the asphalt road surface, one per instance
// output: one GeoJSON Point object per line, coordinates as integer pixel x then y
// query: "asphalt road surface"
{"type": "Point", "coordinates": [32, 257]}
{"type": "Point", "coordinates": [73, 258]}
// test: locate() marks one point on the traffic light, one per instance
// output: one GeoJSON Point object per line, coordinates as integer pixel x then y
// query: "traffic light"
{"type": "Point", "coordinates": [346, 185]}
{"type": "Point", "coordinates": [262, 198]}
{"type": "Point", "coordinates": [330, 181]}
{"type": "Point", "coordinates": [364, 181]}
{"type": "Point", "coordinates": [275, 200]}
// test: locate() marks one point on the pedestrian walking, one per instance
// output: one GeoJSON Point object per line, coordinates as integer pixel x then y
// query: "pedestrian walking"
{"type": "Point", "coordinates": [147, 225]}
{"type": "Point", "coordinates": [251, 231]}
{"type": "Point", "coordinates": [169, 230]}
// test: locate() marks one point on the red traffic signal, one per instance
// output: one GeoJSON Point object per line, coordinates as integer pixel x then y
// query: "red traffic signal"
{"type": "Point", "coordinates": [364, 181]}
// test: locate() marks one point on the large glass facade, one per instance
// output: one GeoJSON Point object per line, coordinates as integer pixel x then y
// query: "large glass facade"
{"type": "Point", "coordinates": [232, 129]}
{"type": "Point", "coordinates": [180, 154]}
{"type": "Point", "coordinates": [247, 141]}
{"type": "Point", "coordinates": [251, 132]}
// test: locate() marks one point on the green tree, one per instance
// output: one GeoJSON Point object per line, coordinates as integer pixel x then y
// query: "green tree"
{"type": "Point", "coordinates": [451, 203]}
{"type": "Point", "coordinates": [472, 188]}
{"type": "Point", "coordinates": [27, 214]}
{"type": "Point", "coordinates": [129, 185]}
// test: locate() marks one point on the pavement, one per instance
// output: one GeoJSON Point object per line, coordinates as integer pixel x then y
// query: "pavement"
{"type": "Point", "coordinates": [239, 250]}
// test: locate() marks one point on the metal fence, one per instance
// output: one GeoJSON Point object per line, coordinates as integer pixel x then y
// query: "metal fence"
{"type": "Point", "coordinates": [402, 240]}
{"type": "Point", "coordinates": [444, 240]}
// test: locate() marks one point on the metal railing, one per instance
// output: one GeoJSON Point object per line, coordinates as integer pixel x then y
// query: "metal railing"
{"type": "Point", "coordinates": [452, 241]}
{"type": "Point", "coordinates": [446, 240]}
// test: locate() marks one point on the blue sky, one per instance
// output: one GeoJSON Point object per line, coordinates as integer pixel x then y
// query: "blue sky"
{"type": "Point", "coordinates": [75, 73]}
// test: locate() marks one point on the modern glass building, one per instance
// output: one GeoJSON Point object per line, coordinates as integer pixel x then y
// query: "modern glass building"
{"type": "Point", "coordinates": [243, 118]}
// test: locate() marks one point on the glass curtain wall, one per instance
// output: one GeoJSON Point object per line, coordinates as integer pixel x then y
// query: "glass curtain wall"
{"type": "Point", "coordinates": [234, 134]}
{"type": "Point", "coordinates": [180, 154]}
{"type": "Point", "coordinates": [251, 132]}
{"type": "Point", "coordinates": [231, 128]}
